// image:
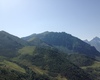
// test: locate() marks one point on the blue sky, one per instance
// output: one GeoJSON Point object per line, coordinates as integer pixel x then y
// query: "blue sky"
{"type": "Point", "coordinates": [81, 18]}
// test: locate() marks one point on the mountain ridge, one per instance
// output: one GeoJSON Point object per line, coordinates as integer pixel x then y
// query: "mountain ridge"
{"type": "Point", "coordinates": [11, 43]}
{"type": "Point", "coordinates": [62, 39]}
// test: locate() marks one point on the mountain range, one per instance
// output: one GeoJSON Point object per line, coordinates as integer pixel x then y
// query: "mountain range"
{"type": "Point", "coordinates": [47, 56]}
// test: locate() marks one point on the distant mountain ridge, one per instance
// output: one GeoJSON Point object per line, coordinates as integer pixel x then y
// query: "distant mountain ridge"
{"type": "Point", "coordinates": [95, 42]}
{"type": "Point", "coordinates": [65, 42]}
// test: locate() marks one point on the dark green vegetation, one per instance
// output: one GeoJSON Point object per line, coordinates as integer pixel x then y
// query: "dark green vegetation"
{"type": "Point", "coordinates": [80, 60]}
{"type": "Point", "coordinates": [47, 56]}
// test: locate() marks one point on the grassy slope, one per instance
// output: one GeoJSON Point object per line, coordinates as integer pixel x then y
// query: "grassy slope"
{"type": "Point", "coordinates": [95, 65]}
{"type": "Point", "coordinates": [27, 50]}
{"type": "Point", "coordinates": [93, 70]}
{"type": "Point", "coordinates": [11, 71]}
{"type": "Point", "coordinates": [12, 66]}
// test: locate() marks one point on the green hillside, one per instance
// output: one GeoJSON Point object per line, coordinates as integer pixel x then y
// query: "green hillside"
{"type": "Point", "coordinates": [12, 66]}
{"type": "Point", "coordinates": [51, 63]}
{"type": "Point", "coordinates": [80, 60]}
{"type": "Point", "coordinates": [9, 44]}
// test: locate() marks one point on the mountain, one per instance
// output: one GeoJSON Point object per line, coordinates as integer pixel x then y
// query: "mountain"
{"type": "Point", "coordinates": [95, 42]}
{"type": "Point", "coordinates": [20, 60]}
{"type": "Point", "coordinates": [9, 44]}
{"type": "Point", "coordinates": [65, 43]}
{"type": "Point", "coordinates": [46, 56]}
